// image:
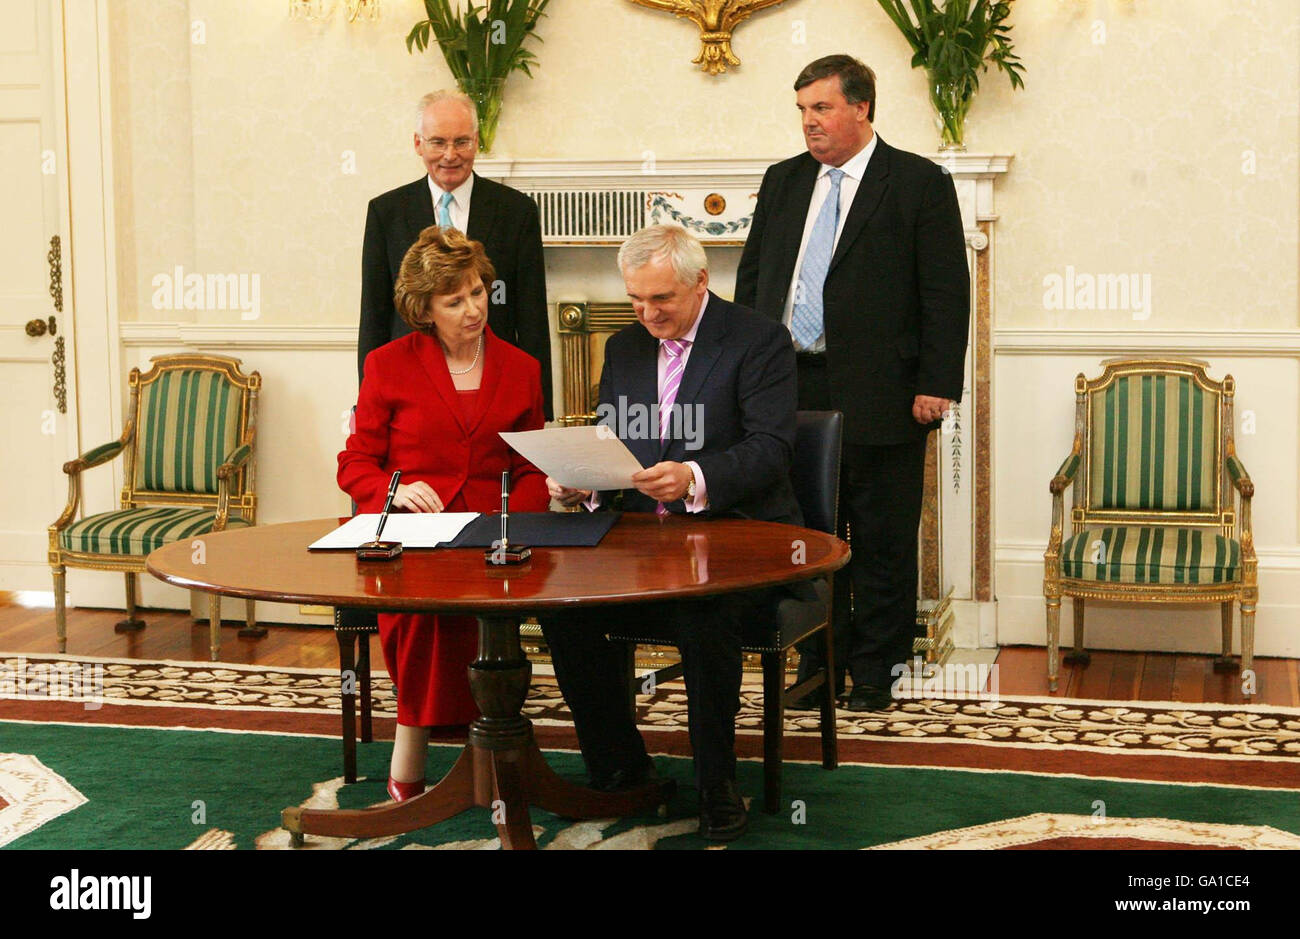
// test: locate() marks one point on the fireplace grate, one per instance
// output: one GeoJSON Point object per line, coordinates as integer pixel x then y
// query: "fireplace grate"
{"type": "Point", "coordinates": [587, 217]}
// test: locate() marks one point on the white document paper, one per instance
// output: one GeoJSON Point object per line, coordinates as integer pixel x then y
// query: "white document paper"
{"type": "Point", "coordinates": [589, 457]}
{"type": "Point", "coordinates": [412, 529]}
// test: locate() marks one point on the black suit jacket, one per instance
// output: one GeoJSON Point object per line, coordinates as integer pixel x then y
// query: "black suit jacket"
{"type": "Point", "coordinates": [897, 295]}
{"type": "Point", "coordinates": [505, 221]}
{"type": "Point", "coordinates": [741, 378]}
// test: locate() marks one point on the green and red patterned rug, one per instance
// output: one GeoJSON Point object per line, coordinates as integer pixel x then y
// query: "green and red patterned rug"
{"type": "Point", "coordinates": [191, 755]}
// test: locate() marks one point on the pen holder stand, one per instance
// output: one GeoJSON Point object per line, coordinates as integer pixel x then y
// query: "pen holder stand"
{"type": "Point", "coordinates": [379, 551]}
{"type": "Point", "coordinates": [503, 553]}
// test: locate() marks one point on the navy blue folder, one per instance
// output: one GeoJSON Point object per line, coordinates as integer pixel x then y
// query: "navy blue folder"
{"type": "Point", "coordinates": [539, 530]}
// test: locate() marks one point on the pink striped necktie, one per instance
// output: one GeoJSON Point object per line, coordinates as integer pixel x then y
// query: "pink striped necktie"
{"type": "Point", "coordinates": [676, 349]}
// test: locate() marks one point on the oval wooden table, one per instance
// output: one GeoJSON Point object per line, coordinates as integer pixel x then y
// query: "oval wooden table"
{"type": "Point", "coordinates": [641, 559]}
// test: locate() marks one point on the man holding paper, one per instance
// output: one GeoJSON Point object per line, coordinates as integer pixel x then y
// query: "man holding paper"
{"type": "Point", "coordinates": [718, 384]}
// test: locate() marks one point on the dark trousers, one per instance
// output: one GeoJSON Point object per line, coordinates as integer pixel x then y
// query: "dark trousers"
{"type": "Point", "coordinates": [592, 673]}
{"type": "Point", "coordinates": [881, 489]}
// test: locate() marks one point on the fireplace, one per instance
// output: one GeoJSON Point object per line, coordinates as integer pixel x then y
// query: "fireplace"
{"type": "Point", "coordinates": [589, 207]}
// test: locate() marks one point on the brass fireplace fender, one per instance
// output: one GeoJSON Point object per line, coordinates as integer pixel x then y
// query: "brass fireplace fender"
{"type": "Point", "coordinates": [584, 328]}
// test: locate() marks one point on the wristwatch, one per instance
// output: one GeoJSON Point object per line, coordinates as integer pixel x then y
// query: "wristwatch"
{"type": "Point", "coordinates": [690, 486]}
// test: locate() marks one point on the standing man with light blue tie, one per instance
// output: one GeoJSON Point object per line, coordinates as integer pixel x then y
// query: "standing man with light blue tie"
{"type": "Point", "coordinates": [451, 194]}
{"type": "Point", "coordinates": [858, 249]}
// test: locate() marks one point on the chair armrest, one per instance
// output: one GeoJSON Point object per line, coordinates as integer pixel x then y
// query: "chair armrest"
{"type": "Point", "coordinates": [1065, 474]}
{"type": "Point", "coordinates": [1240, 478]}
{"type": "Point", "coordinates": [101, 454]}
{"type": "Point", "coordinates": [1060, 482]}
{"type": "Point", "coordinates": [74, 468]}
{"type": "Point", "coordinates": [234, 460]}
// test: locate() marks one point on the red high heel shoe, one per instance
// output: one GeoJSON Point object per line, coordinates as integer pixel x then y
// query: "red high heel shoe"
{"type": "Point", "coordinates": [401, 791]}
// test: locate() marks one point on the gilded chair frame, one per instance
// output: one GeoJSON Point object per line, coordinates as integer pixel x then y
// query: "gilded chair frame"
{"type": "Point", "coordinates": [236, 493]}
{"type": "Point", "coordinates": [1229, 474]}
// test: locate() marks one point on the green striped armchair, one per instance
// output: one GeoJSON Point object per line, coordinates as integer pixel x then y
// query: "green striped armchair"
{"type": "Point", "coordinates": [188, 471]}
{"type": "Point", "coordinates": [1153, 470]}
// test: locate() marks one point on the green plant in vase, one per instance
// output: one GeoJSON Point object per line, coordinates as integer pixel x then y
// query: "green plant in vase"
{"type": "Point", "coordinates": [482, 46]}
{"type": "Point", "coordinates": [954, 42]}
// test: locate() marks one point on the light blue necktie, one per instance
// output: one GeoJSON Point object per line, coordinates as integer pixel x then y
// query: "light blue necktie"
{"type": "Point", "coordinates": [806, 320]}
{"type": "Point", "coordinates": [444, 211]}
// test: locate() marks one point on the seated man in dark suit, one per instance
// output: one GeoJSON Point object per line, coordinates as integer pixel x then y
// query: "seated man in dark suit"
{"type": "Point", "coordinates": [720, 382]}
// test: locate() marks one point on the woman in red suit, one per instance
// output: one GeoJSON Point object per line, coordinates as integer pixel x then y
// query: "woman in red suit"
{"type": "Point", "coordinates": [431, 405]}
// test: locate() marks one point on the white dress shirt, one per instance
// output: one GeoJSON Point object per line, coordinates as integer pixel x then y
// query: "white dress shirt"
{"type": "Point", "coordinates": [854, 169]}
{"type": "Point", "coordinates": [459, 208]}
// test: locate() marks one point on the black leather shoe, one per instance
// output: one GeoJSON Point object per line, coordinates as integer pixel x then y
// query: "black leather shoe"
{"type": "Point", "coordinates": [868, 698]}
{"type": "Point", "coordinates": [622, 780]}
{"type": "Point", "coordinates": [722, 812]}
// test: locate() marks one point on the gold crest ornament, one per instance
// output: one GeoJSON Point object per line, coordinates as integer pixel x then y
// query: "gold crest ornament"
{"type": "Point", "coordinates": [716, 19]}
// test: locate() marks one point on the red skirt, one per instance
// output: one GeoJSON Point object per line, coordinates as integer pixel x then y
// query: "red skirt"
{"type": "Point", "coordinates": [428, 657]}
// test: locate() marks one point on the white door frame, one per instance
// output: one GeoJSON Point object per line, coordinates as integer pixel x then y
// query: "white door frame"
{"type": "Point", "coordinates": [96, 353]}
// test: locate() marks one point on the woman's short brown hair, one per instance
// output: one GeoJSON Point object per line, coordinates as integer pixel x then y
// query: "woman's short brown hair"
{"type": "Point", "coordinates": [437, 264]}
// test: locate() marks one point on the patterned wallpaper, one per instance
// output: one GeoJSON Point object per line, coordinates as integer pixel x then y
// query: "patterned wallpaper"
{"type": "Point", "coordinates": [1155, 145]}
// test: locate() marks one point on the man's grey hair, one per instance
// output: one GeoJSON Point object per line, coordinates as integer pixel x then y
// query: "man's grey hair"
{"type": "Point", "coordinates": [434, 97]}
{"type": "Point", "coordinates": [656, 242]}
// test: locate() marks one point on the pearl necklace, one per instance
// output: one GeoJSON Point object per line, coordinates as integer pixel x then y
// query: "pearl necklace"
{"type": "Point", "coordinates": [470, 367]}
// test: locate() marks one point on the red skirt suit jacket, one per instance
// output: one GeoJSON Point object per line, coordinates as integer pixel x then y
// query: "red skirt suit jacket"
{"type": "Point", "coordinates": [409, 417]}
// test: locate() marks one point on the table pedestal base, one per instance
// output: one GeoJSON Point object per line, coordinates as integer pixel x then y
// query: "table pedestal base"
{"type": "Point", "coordinates": [501, 768]}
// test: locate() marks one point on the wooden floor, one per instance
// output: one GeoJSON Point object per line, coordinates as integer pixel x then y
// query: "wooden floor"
{"type": "Point", "coordinates": [167, 635]}
{"type": "Point", "coordinates": [1115, 676]}
{"type": "Point", "coordinates": [1146, 676]}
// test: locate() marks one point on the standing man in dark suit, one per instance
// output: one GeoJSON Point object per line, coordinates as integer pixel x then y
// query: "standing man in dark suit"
{"type": "Point", "coordinates": [719, 383]}
{"type": "Point", "coordinates": [452, 194]}
{"type": "Point", "coordinates": [858, 249]}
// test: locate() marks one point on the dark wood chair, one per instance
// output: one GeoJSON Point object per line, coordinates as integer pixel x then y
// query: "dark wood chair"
{"type": "Point", "coordinates": [353, 629]}
{"type": "Point", "coordinates": [815, 474]}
